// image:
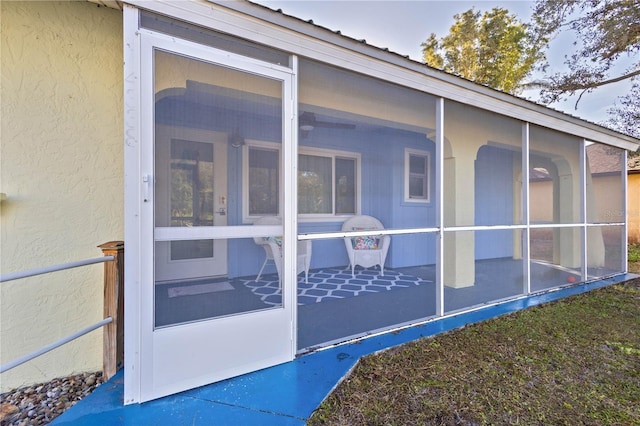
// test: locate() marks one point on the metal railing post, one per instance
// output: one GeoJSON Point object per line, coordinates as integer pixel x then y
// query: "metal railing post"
{"type": "Point", "coordinates": [113, 333]}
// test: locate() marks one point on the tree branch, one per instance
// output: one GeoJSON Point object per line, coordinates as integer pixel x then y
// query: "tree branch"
{"type": "Point", "coordinates": [572, 87]}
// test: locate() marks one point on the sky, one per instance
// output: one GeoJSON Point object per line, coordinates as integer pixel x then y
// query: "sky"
{"type": "Point", "coordinates": [401, 26]}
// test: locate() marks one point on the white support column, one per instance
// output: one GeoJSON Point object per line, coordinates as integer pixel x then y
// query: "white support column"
{"type": "Point", "coordinates": [440, 206]}
{"type": "Point", "coordinates": [583, 207]}
{"type": "Point", "coordinates": [459, 259]}
{"type": "Point", "coordinates": [526, 219]}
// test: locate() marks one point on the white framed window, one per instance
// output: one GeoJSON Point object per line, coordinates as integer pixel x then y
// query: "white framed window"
{"type": "Point", "coordinates": [328, 182]}
{"type": "Point", "coordinates": [416, 176]}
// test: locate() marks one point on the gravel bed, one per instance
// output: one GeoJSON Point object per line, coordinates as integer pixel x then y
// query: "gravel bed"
{"type": "Point", "coordinates": [40, 404]}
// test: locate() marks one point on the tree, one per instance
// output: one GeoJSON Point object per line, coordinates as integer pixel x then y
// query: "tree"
{"type": "Point", "coordinates": [624, 116]}
{"type": "Point", "coordinates": [494, 49]}
{"type": "Point", "coordinates": [607, 35]}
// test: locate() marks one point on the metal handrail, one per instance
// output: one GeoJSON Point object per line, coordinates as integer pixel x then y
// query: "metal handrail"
{"type": "Point", "coordinates": [60, 267]}
{"type": "Point", "coordinates": [47, 269]}
{"type": "Point", "coordinates": [28, 357]}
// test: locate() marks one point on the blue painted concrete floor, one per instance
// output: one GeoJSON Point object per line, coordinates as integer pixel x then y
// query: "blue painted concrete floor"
{"type": "Point", "coordinates": [286, 394]}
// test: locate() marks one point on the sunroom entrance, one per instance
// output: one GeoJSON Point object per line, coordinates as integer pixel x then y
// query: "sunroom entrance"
{"type": "Point", "coordinates": [198, 323]}
{"type": "Point", "coordinates": [289, 204]}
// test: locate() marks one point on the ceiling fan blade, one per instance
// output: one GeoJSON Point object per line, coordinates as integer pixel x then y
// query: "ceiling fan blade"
{"type": "Point", "coordinates": [330, 125]}
{"type": "Point", "coordinates": [308, 121]}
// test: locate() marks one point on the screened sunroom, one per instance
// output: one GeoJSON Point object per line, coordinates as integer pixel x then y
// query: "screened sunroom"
{"type": "Point", "coordinates": [291, 189]}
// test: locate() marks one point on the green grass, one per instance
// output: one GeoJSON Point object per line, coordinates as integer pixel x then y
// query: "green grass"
{"type": "Point", "coordinates": [634, 253]}
{"type": "Point", "coordinates": [574, 361]}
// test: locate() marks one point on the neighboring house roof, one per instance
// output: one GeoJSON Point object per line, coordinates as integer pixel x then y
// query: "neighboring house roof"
{"type": "Point", "coordinates": [309, 28]}
{"type": "Point", "coordinates": [600, 160]}
{"type": "Point", "coordinates": [538, 174]}
{"type": "Point", "coordinates": [633, 165]}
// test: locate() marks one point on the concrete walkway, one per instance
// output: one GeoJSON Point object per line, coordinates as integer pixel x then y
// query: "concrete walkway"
{"type": "Point", "coordinates": [286, 394]}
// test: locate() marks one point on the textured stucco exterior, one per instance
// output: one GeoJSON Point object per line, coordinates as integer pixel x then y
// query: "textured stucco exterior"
{"type": "Point", "coordinates": [62, 172]}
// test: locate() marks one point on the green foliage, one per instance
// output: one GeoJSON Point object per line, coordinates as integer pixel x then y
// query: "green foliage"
{"type": "Point", "coordinates": [607, 34]}
{"type": "Point", "coordinates": [634, 253]}
{"type": "Point", "coordinates": [624, 116]}
{"type": "Point", "coordinates": [493, 48]}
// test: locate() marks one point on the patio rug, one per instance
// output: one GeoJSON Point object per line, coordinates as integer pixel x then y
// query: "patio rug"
{"type": "Point", "coordinates": [328, 284]}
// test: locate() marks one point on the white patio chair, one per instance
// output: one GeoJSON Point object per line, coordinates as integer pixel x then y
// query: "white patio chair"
{"type": "Point", "coordinates": [369, 250]}
{"type": "Point", "coordinates": [273, 250]}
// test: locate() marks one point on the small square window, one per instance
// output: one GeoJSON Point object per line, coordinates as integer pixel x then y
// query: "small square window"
{"type": "Point", "coordinates": [416, 176]}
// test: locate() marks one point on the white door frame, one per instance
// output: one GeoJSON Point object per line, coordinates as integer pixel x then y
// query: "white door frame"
{"type": "Point", "coordinates": [149, 352]}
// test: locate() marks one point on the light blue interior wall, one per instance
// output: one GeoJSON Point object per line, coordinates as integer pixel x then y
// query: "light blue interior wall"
{"type": "Point", "coordinates": [494, 186]}
{"type": "Point", "coordinates": [382, 188]}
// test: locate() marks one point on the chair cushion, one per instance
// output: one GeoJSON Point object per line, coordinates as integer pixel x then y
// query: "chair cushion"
{"type": "Point", "coordinates": [366, 242]}
{"type": "Point", "coordinates": [277, 240]}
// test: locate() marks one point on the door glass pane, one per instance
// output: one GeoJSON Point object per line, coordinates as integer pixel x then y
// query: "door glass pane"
{"type": "Point", "coordinates": [264, 181]}
{"type": "Point", "coordinates": [191, 195]}
{"type": "Point", "coordinates": [204, 115]}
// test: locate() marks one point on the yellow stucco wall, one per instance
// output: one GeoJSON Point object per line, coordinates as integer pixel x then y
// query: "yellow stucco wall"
{"type": "Point", "coordinates": [633, 207]}
{"type": "Point", "coordinates": [61, 161]}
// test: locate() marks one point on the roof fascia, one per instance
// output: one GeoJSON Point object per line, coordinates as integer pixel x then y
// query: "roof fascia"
{"type": "Point", "coordinates": [266, 26]}
{"type": "Point", "coordinates": [113, 4]}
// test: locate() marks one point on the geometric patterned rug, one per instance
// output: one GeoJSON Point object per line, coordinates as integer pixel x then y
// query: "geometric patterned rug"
{"type": "Point", "coordinates": [333, 283]}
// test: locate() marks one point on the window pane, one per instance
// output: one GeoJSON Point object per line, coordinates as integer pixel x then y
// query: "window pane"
{"type": "Point", "coordinates": [314, 185]}
{"type": "Point", "coordinates": [417, 164]}
{"type": "Point", "coordinates": [263, 181]}
{"type": "Point", "coordinates": [417, 187]}
{"type": "Point", "coordinates": [345, 185]}
{"type": "Point", "coordinates": [418, 177]}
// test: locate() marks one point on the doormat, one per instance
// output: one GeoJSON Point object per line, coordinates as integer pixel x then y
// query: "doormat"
{"type": "Point", "coordinates": [329, 284]}
{"type": "Point", "coordinates": [191, 290]}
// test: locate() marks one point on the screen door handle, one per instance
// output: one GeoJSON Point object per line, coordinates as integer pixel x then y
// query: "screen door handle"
{"type": "Point", "coordinates": [146, 181]}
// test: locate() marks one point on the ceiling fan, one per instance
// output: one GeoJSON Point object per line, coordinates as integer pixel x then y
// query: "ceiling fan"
{"type": "Point", "coordinates": [308, 122]}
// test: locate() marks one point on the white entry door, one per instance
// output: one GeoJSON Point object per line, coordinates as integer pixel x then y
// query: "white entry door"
{"type": "Point", "coordinates": [190, 191]}
{"type": "Point", "coordinates": [201, 319]}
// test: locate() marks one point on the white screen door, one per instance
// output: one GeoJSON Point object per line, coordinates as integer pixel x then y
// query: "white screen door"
{"type": "Point", "coordinates": [203, 317]}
